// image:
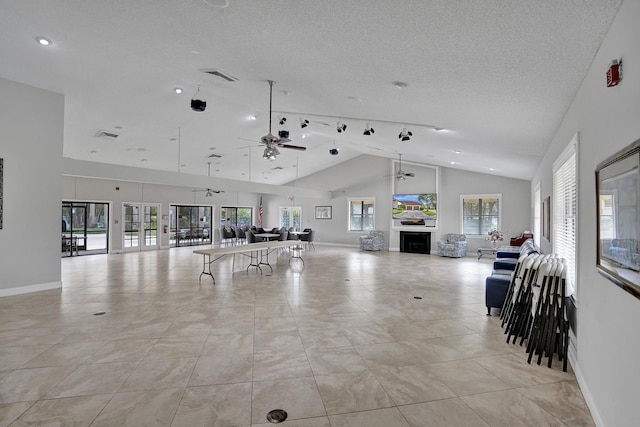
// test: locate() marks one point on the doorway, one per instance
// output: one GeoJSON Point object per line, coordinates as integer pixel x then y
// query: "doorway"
{"type": "Point", "coordinates": [85, 228]}
{"type": "Point", "coordinates": [140, 227]}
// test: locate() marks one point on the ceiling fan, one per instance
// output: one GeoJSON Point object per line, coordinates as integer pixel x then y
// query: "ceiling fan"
{"type": "Point", "coordinates": [273, 142]}
{"type": "Point", "coordinates": [209, 192]}
{"type": "Point", "coordinates": [400, 174]}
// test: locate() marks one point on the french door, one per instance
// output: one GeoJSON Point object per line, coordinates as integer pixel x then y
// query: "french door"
{"type": "Point", "coordinates": [140, 227]}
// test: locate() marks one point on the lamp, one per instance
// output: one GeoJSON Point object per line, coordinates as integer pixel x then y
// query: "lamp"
{"type": "Point", "coordinates": [303, 122]}
{"type": "Point", "coordinates": [405, 135]}
{"type": "Point", "coordinates": [335, 150]}
{"type": "Point", "coordinates": [341, 127]}
{"type": "Point", "coordinates": [198, 104]}
{"type": "Point", "coordinates": [368, 130]}
{"type": "Point", "coordinates": [283, 133]}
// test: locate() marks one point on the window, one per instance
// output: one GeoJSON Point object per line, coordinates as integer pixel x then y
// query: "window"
{"type": "Point", "coordinates": [361, 214]}
{"type": "Point", "coordinates": [565, 204]}
{"type": "Point", "coordinates": [480, 213]}
{"type": "Point", "coordinates": [537, 215]}
{"type": "Point", "coordinates": [236, 216]}
{"type": "Point", "coordinates": [290, 217]}
{"type": "Point", "coordinates": [607, 216]}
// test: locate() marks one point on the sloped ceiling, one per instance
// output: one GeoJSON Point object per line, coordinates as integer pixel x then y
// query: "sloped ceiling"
{"type": "Point", "coordinates": [496, 76]}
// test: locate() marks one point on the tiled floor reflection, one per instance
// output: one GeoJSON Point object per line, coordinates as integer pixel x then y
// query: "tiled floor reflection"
{"type": "Point", "coordinates": [337, 341]}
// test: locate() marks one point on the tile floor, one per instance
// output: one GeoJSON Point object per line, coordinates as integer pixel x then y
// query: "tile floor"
{"type": "Point", "coordinates": [340, 341]}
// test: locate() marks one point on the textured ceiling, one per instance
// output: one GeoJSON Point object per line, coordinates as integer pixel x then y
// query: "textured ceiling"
{"type": "Point", "coordinates": [497, 76]}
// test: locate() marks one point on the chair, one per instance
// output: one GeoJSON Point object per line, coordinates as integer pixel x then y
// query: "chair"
{"type": "Point", "coordinates": [227, 235]}
{"type": "Point", "coordinates": [308, 238]}
{"type": "Point", "coordinates": [453, 245]}
{"type": "Point", "coordinates": [241, 235]}
{"type": "Point", "coordinates": [374, 241]}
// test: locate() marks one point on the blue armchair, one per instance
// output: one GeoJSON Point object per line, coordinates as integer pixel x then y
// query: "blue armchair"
{"type": "Point", "coordinates": [374, 241]}
{"type": "Point", "coordinates": [453, 245]}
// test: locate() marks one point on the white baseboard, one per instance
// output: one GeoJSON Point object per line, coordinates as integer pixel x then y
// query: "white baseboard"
{"type": "Point", "coordinates": [30, 288]}
{"type": "Point", "coordinates": [584, 388]}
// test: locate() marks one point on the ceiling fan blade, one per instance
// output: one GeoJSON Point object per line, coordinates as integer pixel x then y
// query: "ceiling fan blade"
{"type": "Point", "coordinates": [293, 147]}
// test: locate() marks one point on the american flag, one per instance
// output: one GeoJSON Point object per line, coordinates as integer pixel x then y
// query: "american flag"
{"type": "Point", "coordinates": [260, 212]}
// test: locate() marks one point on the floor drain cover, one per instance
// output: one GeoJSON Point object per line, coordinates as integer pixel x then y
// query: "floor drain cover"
{"type": "Point", "coordinates": [100, 313]}
{"type": "Point", "coordinates": [417, 297]}
{"type": "Point", "coordinates": [277, 416]}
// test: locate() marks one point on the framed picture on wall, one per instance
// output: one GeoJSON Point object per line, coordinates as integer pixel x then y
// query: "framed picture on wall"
{"type": "Point", "coordinates": [618, 218]}
{"type": "Point", "coordinates": [323, 212]}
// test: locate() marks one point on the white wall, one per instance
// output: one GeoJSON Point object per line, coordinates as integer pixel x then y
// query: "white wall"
{"type": "Point", "coordinates": [607, 119]}
{"type": "Point", "coordinates": [31, 133]}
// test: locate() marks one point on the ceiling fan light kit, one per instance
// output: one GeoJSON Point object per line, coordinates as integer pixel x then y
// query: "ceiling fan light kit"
{"type": "Point", "coordinates": [272, 143]}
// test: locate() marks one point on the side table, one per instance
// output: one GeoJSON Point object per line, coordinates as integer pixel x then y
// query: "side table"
{"type": "Point", "coordinates": [482, 251]}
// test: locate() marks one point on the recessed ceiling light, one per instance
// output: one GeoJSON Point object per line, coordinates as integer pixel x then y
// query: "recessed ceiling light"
{"type": "Point", "coordinates": [118, 128]}
{"type": "Point", "coordinates": [399, 85]}
{"type": "Point", "coordinates": [93, 152]}
{"type": "Point", "coordinates": [457, 151]}
{"type": "Point", "coordinates": [44, 41]}
{"type": "Point", "coordinates": [304, 135]}
{"type": "Point", "coordinates": [252, 118]}
{"type": "Point", "coordinates": [177, 90]}
{"type": "Point", "coordinates": [452, 163]}
{"type": "Point", "coordinates": [491, 169]}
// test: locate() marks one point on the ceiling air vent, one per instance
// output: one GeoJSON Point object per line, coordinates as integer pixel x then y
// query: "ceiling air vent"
{"type": "Point", "coordinates": [106, 134]}
{"type": "Point", "coordinates": [220, 74]}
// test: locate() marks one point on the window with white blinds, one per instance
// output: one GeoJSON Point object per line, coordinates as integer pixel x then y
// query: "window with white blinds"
{"type": "Point", "coordinates": [565, 207]}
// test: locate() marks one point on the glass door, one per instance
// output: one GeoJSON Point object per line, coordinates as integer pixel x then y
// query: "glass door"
{"type": "Point", "coordinates": [140, 229]}
{"type": "Point", "coordinates": [84, 228]}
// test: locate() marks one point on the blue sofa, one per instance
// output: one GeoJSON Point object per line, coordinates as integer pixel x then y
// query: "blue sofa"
{"type": "Point", "coordinates": [497, 285]}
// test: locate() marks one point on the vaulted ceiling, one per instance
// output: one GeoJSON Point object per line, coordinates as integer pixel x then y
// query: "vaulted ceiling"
{"type": "Point", "coordinates": [481, 86]}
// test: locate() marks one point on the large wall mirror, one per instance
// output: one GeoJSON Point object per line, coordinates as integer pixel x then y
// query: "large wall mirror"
{"type": "Point", "coordinates": [618, 218]}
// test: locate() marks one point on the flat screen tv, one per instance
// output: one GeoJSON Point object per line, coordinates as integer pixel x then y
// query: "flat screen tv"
{"type": "Point", "coordinates": [415, 209]}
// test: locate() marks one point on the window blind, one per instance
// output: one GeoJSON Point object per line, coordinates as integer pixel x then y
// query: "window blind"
{"type": "Point", "coordinates": [565, 215]}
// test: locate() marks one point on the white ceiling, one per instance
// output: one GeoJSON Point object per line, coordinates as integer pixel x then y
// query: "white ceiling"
{"type": "Point", "coordinates": [497, 76]}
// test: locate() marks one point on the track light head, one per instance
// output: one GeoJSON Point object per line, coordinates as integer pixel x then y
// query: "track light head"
{"type": "Point", "coordinates": [405, 135]}
{"type": "Point", "coordinates": [368, 130]}
{"type": "Point", "coordinates": [341, 127]}
{"type": "Point", "coordinates": [334, 151]}
{"type": "Point", "coordinates": [283, 120]}
{"type": "Point", "coordinates": [303, 123]}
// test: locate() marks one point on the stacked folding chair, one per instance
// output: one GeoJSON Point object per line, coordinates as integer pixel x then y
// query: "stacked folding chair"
{"type": "Point", "coordinates": [549, 329]}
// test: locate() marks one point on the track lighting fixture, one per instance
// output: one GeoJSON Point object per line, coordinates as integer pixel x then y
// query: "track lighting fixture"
{"type": "Point", "coordinates": [303, 122]}
{"type": "Point", "coordinates": [283, 120]}
{"type": "Point", "coordinates": [197, 102]}
{"type": "Point", "coordinates": [341, 127]}
{"type": "Point", "coordinates": [368, 130]}
{"type": "Point", "coordinates": [405, 135]}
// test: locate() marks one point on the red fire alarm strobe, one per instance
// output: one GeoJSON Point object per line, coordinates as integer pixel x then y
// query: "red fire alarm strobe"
{"type": "Point", "coordinates": [614, 73]}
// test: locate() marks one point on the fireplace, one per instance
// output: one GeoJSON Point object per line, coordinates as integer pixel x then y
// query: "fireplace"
{"type": "Point", "coordinates": [415, 242]}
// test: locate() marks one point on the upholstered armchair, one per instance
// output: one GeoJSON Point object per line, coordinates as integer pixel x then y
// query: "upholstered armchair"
{"type": "Point", "coordinates": [453, 245]}
{"type": "Point", "coordinates": [374, 241]}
